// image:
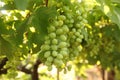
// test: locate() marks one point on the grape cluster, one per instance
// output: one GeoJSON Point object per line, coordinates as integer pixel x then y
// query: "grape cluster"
{"type": "Point", "coordinates": [63, 42]}
{"type": "Point", "coordinates": [109, 46]}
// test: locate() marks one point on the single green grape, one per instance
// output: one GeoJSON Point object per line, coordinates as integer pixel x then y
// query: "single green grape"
{"type": "Point", "coordinates": [63, 37]}
{"type": "Point", "coordinates": [62, 44]}
{"type": "Point", "coordinates": [61, 17]}
{"type": "Point", "coordinates": [47, 42]}
{"type": "Point", "coordinates": [56, 23]}
{"type": "Point", "coordinates": [79, 40]}
{"type": "Point", "coordinates": [45, 47]}
{"type": "Point", "coordinates": [65, 71]}
{"type": "Point", "coordinates": [54, 41]}
{"type": "Point", "coordinates": [59, 31]}
{"type": "Point", "coordinates": [69, 67]}
{"type": "Point", "coordinates": [59, 56]}
{"type": "Point", "coordinates": [54, 53]}
{"type": "Point", "coordinates": [51, 28]}
{"type": "Point", "coordinates": [54, 47]}
{"type": "Point", "coordinates": [77, 33]}
{"type": "Point", "coordinates": [52, 35]}
{"type": "Point", "coordinates": [47, 54]}
{"type": "Point", "coordinates": [50, 59]}
{"type": "Point", "coordinates": [47, 63]}
{"type": "Point", "coordinates": [78, 25]}
{"type": "Point", "coordinates": [61, 22]}
{"type": "Point", "coordinates": [49, 68]}
{"type": "Point", "coordinates": [64, 52]}
{"type": "Point", "coordinates": [65, 28]}
{"type": "Point", "coordinates": [72, 21]}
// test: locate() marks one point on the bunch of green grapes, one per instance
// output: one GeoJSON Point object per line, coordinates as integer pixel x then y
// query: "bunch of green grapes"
{"type": "Point", "coordinates": [63, 42]}
{"type": "Point", "coordinates": [109, 46]}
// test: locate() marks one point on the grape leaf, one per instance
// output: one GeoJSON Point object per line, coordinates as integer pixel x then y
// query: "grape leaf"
{"type": "Point", "coordinates": [3, 30]}
{"type": "Point", "coordinates": [111, 11]}
{"type": "Point", "coordinates": [21, 4]}
{"type": "Point", "coordinates": [6, 48]}
{"type": "Point", "coordinates": [116, 1]}
{"type": "Point", "coordinates": [8, 6]}
{"type": "Point", "coordinates": [41, 20]}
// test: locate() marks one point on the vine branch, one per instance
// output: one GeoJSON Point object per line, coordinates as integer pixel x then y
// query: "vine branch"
{"type": "Point", "coordinates": [46, 3]}
{"type": "Point", "coordinates": [24, 69]}
{"type": "Point", "coordinates": [35, 70]}
{"type": "Point", "coordinates": [2, 63]}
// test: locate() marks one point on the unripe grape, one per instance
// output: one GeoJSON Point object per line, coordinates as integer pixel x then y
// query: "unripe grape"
{"type": "Point", "coordinates": [51, 28]}
{"type": "Point", "coordinates": [77, 33]}
{"type": "Point", "coordinates": [61, 17]}
{"type": "Point", "coordinates": [82, 24]}
{"type": "Point", "coordinates": [63, 37]}
{"type": "Point", "coordinates": [54, 47]}
{"type": "Point", "coordinates": [79, 40]}
{"type": "Point", "coordinates": [66, 8]}
{"type": "Point", "coordinates": [84, 15]}
{"type": "Point", "coordinates": [47, 42]}
{"type": "Point", "coordinates": [85, 21]}
{"type": "Point", "coordinates": [76, 52]}
{"type": "Point", "coordinates": [47, 54]}
{"type": "Point", "coordinates": [47, 37]}
{"type": "Point", "coordinates": [60, 22]}
{"type": "Point", "coordinates": [59, 31]}
{"type": "Point", "coordinates": [50, 59]}
{"type": "Point", "coordinates": [59, 56]}
{"type": "Point", "coordinates": [56, 61]}
{"type": "Point", "coordinates": [73, 37]}
{"type": "Point", "coordinates": [54, 53]}
{"type": "Point", "coordinates": [64, 53]}
{"type": "Point", "coordinates": [47, 63]}
{"type": "Point", "coordinates": [79, 48]}
{"type": "Point", "coordinates": [59, 4]}
{"type": "Point", "coordinates": [49, 68]}
{"type": "Point", "coordinates": [65, 28]}
{"type": "Point", "coordinates": [60, 63]}
{"type": "Point", "coordinates": [71, 20]}
{"type": "Point", "coordinates": [69, 16]}
{"type": "Point", "coordinates": [55, 23]}
{"type": "Point", "coordinates": [79, 17]}
{"type": "Point", "coordinates": [64, 49]}
{"type": "Point", "coordinates": [78, 25]}
{"type": "Point", "coordinates": [79, 30]}
{"type": "Point", "coordinates": [45, 47]}
{"type": "Point", "coordinates": [54, 41]}
{"type": "Point", "coordinates": [52, 35]}
{"type": "Point", "coordinates": [69, 67]}
{"type": "Point", "coordinates": [74, 29]}
{"type": "Point", "coordinates": [81, 36]}
{"type": "Point", "coordinates": [70, 25]}
{"type": "Point", "coordinates": [65, 71]}
{"type": "Point", "coordinates": [62, 44]}
{"type": "Point", "coordinates": [67, 21]}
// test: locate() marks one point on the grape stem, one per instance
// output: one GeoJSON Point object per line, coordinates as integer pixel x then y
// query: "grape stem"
{"type": "Point", "coordinates": [58, 74]}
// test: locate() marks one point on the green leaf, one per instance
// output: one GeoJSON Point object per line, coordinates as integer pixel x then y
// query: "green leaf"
{"type": "Point", "coordinates": [8, 6]}
{"type": "Point", "coordinates": [41, 20]}
{"type": "Point", "coordinates": [6, 48]}
{"type": "Point", "coordinates": [21, 4]}
{"type": "Point", "coordinates": [3, 29]}
{"type": "Point", "coordinates": [116, 1]}
{"type": "Point", "coordinates": [114, 15]}
{"type": "Point", "coordinates": [110, 10]}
